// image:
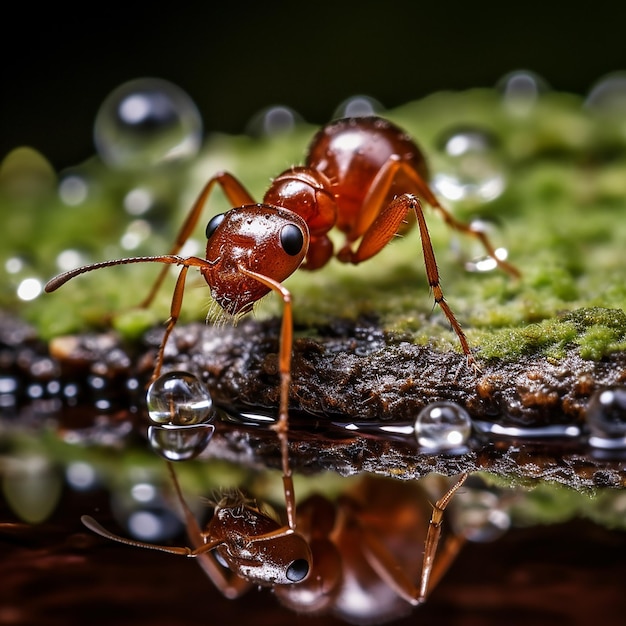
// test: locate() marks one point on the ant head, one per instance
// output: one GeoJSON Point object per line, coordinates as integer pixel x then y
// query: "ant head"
{"type": "Point", "coordinates": [260, 238]}
{"type": "Point", "coordinates": [255, 547]}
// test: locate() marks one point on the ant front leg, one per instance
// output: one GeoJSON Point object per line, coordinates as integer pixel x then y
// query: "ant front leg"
{"type": "Point", "coordinates": [230, 587]}
{"type": "Point", "coordinates": [284, 364]}
{"type": "Point", "coordinates": [177, 297]}
{"type": "Point", "coordinates": [236, 194]}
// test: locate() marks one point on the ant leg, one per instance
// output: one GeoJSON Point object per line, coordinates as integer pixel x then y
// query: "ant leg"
{"type": "Point", "coordinates": [237, 196]}
{"type": "Point", "coordinates": [177, 298]}
{"type": "Point", "coordinates": [383, 229]}
{"type": "Point", "coordinates": [379, 190]}
{"type": "Point", "coordinates": [284, 363]}
{"type": "Point", "coordinates": [426, 193]}
{"type": "Point", "coordinates": [230, 587]}
{"type": "Point", "coordinates": [432, 571]}
{"type": "Point", "coordinates": [386, 566]}
{"type": "Point", "coordinates": [175, 308]}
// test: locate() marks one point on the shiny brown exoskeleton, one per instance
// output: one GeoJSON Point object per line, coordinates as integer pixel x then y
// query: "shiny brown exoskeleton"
{"type": "Point", "coordinates": [363, 176]}
{"type": "Point", "coordinates": [358, 558]}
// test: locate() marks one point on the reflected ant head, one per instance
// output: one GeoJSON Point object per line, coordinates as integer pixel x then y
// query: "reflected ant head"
{"type": "Point", "coordinates": [254, 546]}
{"type": "Point", "coordinates": [249, 247]}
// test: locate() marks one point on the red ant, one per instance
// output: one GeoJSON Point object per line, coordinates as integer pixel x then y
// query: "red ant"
{"type": "Point", "coordinates": [355, 558]}
{"type": "Point", "coordinates": [362, 175]}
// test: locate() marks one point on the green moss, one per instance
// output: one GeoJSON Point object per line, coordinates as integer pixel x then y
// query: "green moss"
{"type": "Point", "coordinates": [561, 218]}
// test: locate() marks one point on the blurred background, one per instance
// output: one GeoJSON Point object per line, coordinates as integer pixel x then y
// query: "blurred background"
{"type": "Point", "coordinates": [235, 58]}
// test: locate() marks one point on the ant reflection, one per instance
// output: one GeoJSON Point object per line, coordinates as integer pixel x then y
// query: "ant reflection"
{"type": "Point", "coordinates": [366, 558]}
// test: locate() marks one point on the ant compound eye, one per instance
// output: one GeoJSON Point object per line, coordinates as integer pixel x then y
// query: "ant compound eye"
{"type": "Point", "coordinates": [298, 570]}
{"type": "Point", "coordinates": [291, 239]}
{"type": "Point", "coordinates": [214, 222]}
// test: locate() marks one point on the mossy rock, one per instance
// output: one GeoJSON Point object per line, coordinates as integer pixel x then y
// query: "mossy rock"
{"type": "Point", "coordinates": [544, 342]}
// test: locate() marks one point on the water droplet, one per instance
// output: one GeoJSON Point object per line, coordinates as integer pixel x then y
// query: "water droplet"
{"type": "Point", "coordinates": [442, 426]}
{"type": "Point", "coordinates": [138, 201]}
{"type": "Point", "coordinates": [69, 259]}
{"type": "Point", "coordinates": [73, 189]}
{"type": "Point", "coordinates": [143, 510]}
{"type": "Point", "coordinates": [358, 106]}
{"type": "Point", "coordinates": [14, 265]}
{"type": "Point", "coordinates": [29, 289]}
{"type": "Point", "coordinates": [180, 443]}
{"type": "Point", "coordinates": [8, 385]}
{"type": "Point", "coordinates": [471, 168]}
{"type": "Point", "coordinates": [81, 475]}
{"type": "Point", "coordinates": [608, 96]}
{"type": "Point", "coordinates": [143, 492]}
{"type": "Point", "coordinates": [478, 515]}
{"type": "Point", "coordinates": [145, 122]}
{"type": "Point", "coordinates": [528, 433]}
{"type": "Point", "coordinates": [274, 120]}
{"type": "Point", "coordinates": [521, 90]}
{"type": "Point", "coordinates": [135, 234]}
{"type": "Point", "coordinates": [606, 417]}
{"type": "Point", "coordinates": [145, 525]}
{"type": "Point", "coordinates": [179, 398]}
{"type": "Point", "coordinates": [471, 253]}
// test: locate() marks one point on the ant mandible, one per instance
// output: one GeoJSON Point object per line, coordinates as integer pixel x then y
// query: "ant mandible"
{"type": "Point", "coordinates": [362, 175]}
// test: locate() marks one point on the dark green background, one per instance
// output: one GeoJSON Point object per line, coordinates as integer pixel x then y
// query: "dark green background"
{"type": "Point", "coordinates": [58, 64]}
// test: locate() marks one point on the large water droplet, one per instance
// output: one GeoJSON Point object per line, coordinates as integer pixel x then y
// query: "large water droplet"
{"type": "Point", "coordinates": [180, 443]}
{"type": "Point", "coordinates": [606, 418]}
{"type": "Point", "coordinates": [179, 398]}
{"type": "Point", "coordinates": [145, 122]}
{"type": "Point", "coordinates": [443, 426]}
{"type": "Point", "coordinates": [471, 169]}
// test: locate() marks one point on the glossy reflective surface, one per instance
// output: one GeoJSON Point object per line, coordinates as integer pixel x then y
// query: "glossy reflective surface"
{"type": "Point", "coordinates": [57, 573]}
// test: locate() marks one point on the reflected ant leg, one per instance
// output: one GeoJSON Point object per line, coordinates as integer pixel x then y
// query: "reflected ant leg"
{"type": "Point", "coordinates": [386, 566]}
{"type": "Point", "coordinates": [237, 196]}
{"type": "Point", "coordinates": [433, 570]}
{"type": "Point", "coordinates": [231, 587]}
{"type": "Point", "coordinates": [284, 363]}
